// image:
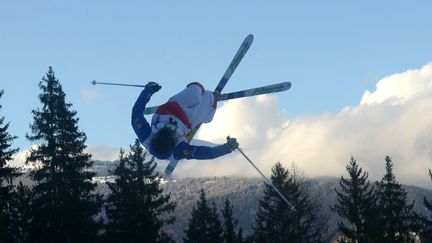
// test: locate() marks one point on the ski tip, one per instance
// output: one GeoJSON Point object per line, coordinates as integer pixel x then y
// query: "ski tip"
{"type": "Point", "coordinates": [285, 85]}
{"type": "Point", "coordinates": [250, 38]}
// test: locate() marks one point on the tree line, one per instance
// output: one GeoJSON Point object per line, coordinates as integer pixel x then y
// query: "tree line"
{"type": "Point", "coordinates": [63, 206]}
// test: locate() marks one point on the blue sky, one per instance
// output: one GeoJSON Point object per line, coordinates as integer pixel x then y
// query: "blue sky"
{"type": "Point", "coordinates": [331, 51]}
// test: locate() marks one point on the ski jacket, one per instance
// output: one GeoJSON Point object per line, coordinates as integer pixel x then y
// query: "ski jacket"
{"type": "Point", "coordinates": [170, 110]}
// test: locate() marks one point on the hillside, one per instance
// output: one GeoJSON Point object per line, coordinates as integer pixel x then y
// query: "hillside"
{"type": "Point", "coordinates": [244, 193]}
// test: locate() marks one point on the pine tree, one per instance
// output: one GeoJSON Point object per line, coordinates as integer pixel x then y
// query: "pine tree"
{"type": "Point", "coordinates": [397, 220]}
{"type": "Point", "coordinates": [426, 232]}
{"type": "Point", "coordinates": [115, 206]}
{"type": "Point", "coordinates": [204, 225]}
{"type": "Point", "coordinates": [7, 174]}
{"type": "Point", "coordinates": [64, 203]}
{"type": "Point", "coordinates": [229, 225]}
{"type": "Point", "coordinates": [355, 205]}
{"type": "Point", "coordinates": [22, 213]}
{"type": "Point", "coordinates": [276, 222]}
{"type": "Point", "coordinates": [136, 208]}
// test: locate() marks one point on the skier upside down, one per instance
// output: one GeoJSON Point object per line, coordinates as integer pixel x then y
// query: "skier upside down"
{"type": "Point", "coordinates": [166, 136]}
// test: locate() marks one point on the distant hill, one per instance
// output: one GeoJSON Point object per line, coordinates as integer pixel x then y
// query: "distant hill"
{"type": "Point", "coordinates": [244, 194]}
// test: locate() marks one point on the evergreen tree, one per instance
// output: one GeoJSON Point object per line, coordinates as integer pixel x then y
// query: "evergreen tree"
{"type": "Point", "coordinates": [22, 213]}
{"type": "Point", "coordinates": [64, 203]}
{"type": "Point", "coordinates": [355, 205]}
{"type": "Point", "coordinates": [397, 220]}
{"type": "Point", "coordinates": [229, 225]}
{"type": "Point", "coordinates": [117, 226]}
{"type": "Point", "coordinates": [136, 208]}
{"type": "Point", "coordinates": [426, 232]}
{"type": "Point", "coordinates": [276, 222]}
{"type": "Point", "coordinates": [204, 225]}
{"type": "Point", "coordinates": [7, 174]}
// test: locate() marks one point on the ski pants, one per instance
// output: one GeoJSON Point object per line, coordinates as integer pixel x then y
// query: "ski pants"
{"type": "Point", "coordinates": [198, 104]}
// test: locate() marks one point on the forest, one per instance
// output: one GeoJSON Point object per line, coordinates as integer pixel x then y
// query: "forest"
{"type": "Point", "coordinates": [59, 200]}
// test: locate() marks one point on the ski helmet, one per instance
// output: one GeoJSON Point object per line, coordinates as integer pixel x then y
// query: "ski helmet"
{"type": "Point", "coordinates": [164, 140]}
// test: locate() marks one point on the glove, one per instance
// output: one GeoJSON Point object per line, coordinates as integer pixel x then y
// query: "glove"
{"type": "Point", "coordinates": [153, 87]}
{"type": "Point", "coordinates": [231, 144]}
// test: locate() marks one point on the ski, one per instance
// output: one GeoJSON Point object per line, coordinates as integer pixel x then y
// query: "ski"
{"type": "Point", "coordinates": [234, 63]}
{"type": "Point", "coordinates": [274, 88]}
{"type": "Point", "coordinates": [247, 42]}
{"type": "Point", "coordinates": [241, 94]}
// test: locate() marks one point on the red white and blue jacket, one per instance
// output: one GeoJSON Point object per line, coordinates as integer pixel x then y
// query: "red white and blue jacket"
{"type": "Point", "coordinates": [170, 110]}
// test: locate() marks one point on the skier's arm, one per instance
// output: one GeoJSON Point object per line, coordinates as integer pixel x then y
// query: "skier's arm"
{"type": "Point", "coordinates": [139, 123]}
{"type": "Point", "coordinates": [186, 151]}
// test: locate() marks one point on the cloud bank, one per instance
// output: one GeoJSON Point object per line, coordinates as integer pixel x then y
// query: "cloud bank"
{"type": "Point", "coordinates": [98, 152]}
{"type": "Point", "coordinates": [394, 120]}
{"type": "Point", "coordinates": [104, 152]}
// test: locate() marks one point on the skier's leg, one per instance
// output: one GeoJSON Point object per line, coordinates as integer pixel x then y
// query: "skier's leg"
{"type": "Point", "coordinates": [198, 104]}
{"type": "Point", "coordinates": [190, 96]}
{"type": "Point", "coordinates": [204, 111]}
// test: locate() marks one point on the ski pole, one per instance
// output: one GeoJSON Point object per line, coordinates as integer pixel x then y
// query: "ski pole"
{"type": "Point", "coordinates": [268, 181]}
{"type": "Point", "coordinates": [117, 84]}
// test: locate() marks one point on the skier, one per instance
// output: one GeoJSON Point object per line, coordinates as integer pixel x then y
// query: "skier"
{"type": "Point", "coordinates": [166, 136]}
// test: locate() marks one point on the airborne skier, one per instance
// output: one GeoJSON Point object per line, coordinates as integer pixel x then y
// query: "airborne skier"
{"type": "Point", "coordinates": [166, 136]}
{"type": "Point", "coordinates": [175, 122]}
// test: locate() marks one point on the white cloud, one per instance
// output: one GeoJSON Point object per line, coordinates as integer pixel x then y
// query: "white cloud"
{"type": "Point", "coordinates": [394, 120]}
{"type": "Point", "coordinates": [98, 152]}
{"type": "Point", "coordinates": [19, 158]}
{"type": "Point", "coordinates": [401, 87]}
{"type": "Point", "coordinates": [103, 152]}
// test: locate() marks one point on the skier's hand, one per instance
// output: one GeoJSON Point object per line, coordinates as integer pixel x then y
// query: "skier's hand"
{"type": "Point", "coordinates": [153, 87]}
{"type": "Point", "coordinates": [232, 144]}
